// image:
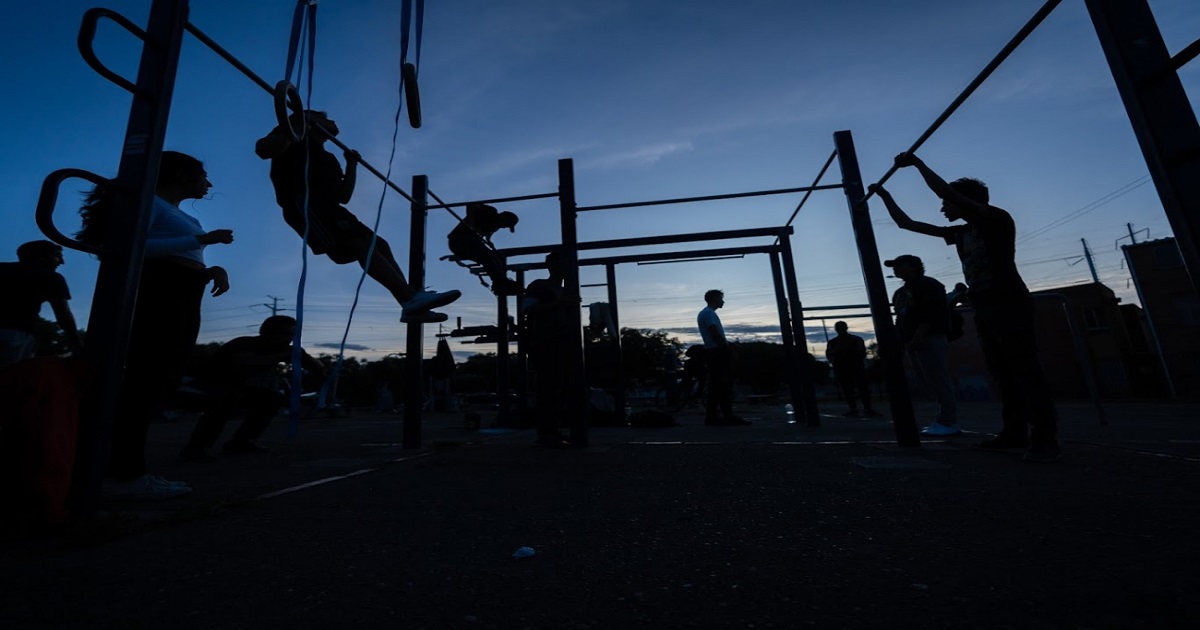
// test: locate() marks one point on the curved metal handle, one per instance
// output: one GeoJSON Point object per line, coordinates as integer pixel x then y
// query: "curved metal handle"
{"type": "Point", "coordinates": [48, 199]}
{"type": "Point", "coordinates": [287, 96]}
{"type": "Point", "coordinates": [87, 33]}
{"type": "Point", "coordinates": [408, 74]}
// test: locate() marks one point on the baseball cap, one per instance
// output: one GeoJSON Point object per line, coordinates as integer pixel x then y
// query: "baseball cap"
{"type": "Point", "coordinates": [903, 259]}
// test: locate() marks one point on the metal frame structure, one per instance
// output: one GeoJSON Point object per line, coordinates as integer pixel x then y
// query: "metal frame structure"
{"type": "Point", "coordinates": [1146, 75]}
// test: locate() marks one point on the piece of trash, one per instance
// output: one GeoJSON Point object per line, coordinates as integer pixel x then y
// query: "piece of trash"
{"type": "Point", "coordinates": [523, 552]}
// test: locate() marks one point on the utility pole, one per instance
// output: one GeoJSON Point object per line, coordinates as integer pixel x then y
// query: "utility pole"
{"type": "Point", "coordinates": [1087, 253]}
{"type": "Point", "coordinates": [274, 306]}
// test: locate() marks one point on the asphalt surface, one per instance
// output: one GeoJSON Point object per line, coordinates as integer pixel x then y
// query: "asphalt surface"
{"type": "Point", "coordinates": [774, 525]}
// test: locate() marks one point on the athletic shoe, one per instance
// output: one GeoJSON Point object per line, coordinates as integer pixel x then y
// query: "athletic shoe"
{"type": "Point", "coordinates": [1043, 453]}
{"type": "Point", "coordinates": [144, 488]}
{"type": "Point", "coordinates": [940, 430]}
{"type": "Point", "coordinates": [426, 317]}
{"type": "Point", "coordinates": [425, 300]}
{"type": "Point", "coordinates": [1002, 442]}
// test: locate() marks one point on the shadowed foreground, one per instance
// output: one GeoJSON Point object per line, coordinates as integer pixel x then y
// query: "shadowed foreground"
{"type": "Point", "coordinates": [766, 526]}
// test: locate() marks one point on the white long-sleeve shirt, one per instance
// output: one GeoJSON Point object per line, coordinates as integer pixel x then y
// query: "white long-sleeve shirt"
{"type": "Point", "coordinates": [173, 232]}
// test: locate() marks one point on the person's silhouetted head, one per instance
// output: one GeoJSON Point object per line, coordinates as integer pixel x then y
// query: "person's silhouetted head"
{"type": "Point", "coordinates": [969, 187]}
{"type": "Point", "coordinates": [554, 264]}
{"type": "Point", "coordinates": [508, 220]}
{"type": "Point", "coordinates": [906, 266]}
{"type": "Point", "coordinates": [715, 298]}
{"type": "Point", "coordinates": [40, 253]}
{"type": "Point", "coordinates": [279, 329]}
{"type": "Point", "coordinates": [179, 174]}
{"type": "Point", "coordinates": [841, 328]}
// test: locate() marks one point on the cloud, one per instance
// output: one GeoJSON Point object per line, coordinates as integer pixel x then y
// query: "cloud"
{"type": "Point", "coordinates": [639, 156]}
{"type": "Point", "coordinates": [350, 346]}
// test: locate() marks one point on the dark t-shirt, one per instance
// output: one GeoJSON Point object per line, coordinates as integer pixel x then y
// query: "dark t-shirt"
{"type": "Point", "coordinates": [324, 176]}
{"type": "Point", "coordinates": [987, 249]}
{"type": "Point", "coordinates": [846, 351]}
{"type": "Point", "coordinates": [921, 301]}
{"type": "Point", "coordinates": [227, 366]}
{"type": "Point", "coordinates": [545, 316]}
{"type": "Point", "coordinates": [26, 287]}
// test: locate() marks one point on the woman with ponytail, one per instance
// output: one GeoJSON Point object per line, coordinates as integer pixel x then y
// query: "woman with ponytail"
{"type": "Point", "coordinates": [166, 317]}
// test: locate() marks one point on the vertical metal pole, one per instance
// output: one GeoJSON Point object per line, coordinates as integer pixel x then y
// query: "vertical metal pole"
{"type": "Point", "coordinates": [414, 353]}
{"type": "Point", "coordinates": [1087, 254]}
{"type": "Point", "coordinates": [1161, 114]}
{"type": "Point", "coordinates": [503, 374]}
{"type": "Point", "coordinates": [804, 360]}
{"type": "Point", "coordinates": [574, 377]}
{"type": "Point", "coordinates": [791, 355]}
{"type": "Point", "coordinates": [890, 351]}
{"type": "Point", "coordinates": [1137, 286]}
{"type": "Point", "coordinates": [120, 269]}
{"type": "Point", "coordinates": [610, 273]}
{"type": "Point", "coordinates": [522, 359]}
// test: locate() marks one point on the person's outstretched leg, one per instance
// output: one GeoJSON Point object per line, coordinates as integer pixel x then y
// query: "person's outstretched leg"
{"type": "Point", "coordinates": [382, 268]}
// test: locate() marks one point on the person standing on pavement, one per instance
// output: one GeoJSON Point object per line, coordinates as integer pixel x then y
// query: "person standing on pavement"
{"type": "Point", "coordinates": [544, 310]}
{"type": "Point", "coordinates": [847, 354]}
{"type": "Point", "coordinates": [1004, 310]}
{"type": "Point", "coordinates": [718, 360]}
{"type": "Point", "coordinates": [922, 320]}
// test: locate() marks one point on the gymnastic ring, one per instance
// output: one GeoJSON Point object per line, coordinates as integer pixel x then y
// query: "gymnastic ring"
{"type": "Point", "coordinates": [288, 97]}
{"type": "Point", "coordinates": [412, 96]}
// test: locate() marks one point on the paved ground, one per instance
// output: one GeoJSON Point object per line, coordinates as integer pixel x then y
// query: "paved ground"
{"type": "Point", "coordinates": [769, 526]}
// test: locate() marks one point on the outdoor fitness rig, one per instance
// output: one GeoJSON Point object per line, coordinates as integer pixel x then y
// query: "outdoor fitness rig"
{"type": "Point", "coordinates": [1145, 72]}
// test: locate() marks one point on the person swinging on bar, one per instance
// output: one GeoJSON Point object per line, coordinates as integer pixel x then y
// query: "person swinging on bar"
{"type": "Point", "coordinates": [471, 240]}
{"type": "Point", "coordinates": [332, 229]}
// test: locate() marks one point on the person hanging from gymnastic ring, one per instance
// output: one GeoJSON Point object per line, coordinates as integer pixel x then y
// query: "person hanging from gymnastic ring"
{"type": "Point", "coordinates": [332, 229]}
{"type": "Point", "coordinates": [471, 240]}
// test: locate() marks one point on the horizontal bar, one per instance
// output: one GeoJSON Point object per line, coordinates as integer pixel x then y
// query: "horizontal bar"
{"type": "Point", "coordinates": [1181, 58]}
{"type": "Point", "coordinates": [1033, 23]}
{"type": "Point", "coordinates": [652, 240]}
{"type": "Point", "coordinates": [227, 56]}
{"type": "Point", "coordinates": [836, 308]}
{"type": "Point", "coordinates": [672, 262]}
{"type": "Point", "coordinates": [658, 256]}
{"type": "Point", "coordinates": [661, 202]}
{"type": "Point", "coordinates": [850, 316]}
{"type": "Point", "coordinates": [462, 204]}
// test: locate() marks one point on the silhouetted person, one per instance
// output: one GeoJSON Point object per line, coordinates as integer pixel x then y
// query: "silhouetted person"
{"type": "Point", "coordinates": [331, 229]}
{"type": "Point", "coordinates": [718, 361]}
{"type": "Point", "coordinates": [471, 240]}
{"type": "Point", "coordinates": [922, 321]}
{"type": "Point", "coordinates": [546, 334]}
{"type": "Point", "coordinates": [244, 375]}
{"type": "Point", "coordinates": [26, 285]}
{"type": "Point", "coordinates": [1004, 310]}
{"type": "Point", "coordinates": [847, 356]}
{"type": "Point", "coordinates": [166, 317]}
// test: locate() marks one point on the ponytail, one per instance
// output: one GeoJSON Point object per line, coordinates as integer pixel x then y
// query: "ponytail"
{"type": "Point", "coordinates": [96, 212]}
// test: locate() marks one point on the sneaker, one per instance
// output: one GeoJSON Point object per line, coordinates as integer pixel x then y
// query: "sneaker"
{"type": "Point", "coordinates": [426, 317]}
{"type": "Point", "coordinates": [1002, 442]}
{"type": "Point", "coordinates": [196, 454]}
{"type": "Point", "coordinates": [1043, 453]}
{"type": "Point", "coordinates": [871, 413]}
{"type": "Point", "coordinates": [425, 300]}
{"type": "Point", "coordinates": [145, 488]}
{"type": "Point", "coordinates": [941, 430]}
{"type": "Point", "coordinates": [242, 447]}
{"type": "Point", "coordinates": [852, 413]}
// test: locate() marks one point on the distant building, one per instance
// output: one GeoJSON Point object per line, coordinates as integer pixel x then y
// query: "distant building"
{"type": "Point", "coordinates": [1172, 309]}
{"type": "Point", "coordinates": [1083, 320]}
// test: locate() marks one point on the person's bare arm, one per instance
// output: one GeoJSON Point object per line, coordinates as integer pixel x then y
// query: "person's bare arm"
{"type": "Point", "coordinates": [66, 321]}
{"type": "Point", "coordinates": [967, 207]}
{"type": "Point", "coordinates": [903, 221]}
{"type": "Point", "coordinates": [715, 331]}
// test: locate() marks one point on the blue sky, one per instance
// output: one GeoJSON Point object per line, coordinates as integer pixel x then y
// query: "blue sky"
{"type": "Point", "coordinates": [652, 98]}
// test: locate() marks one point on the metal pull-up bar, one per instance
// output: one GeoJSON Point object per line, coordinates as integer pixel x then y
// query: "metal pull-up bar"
{"type": "Point", "coordinates": [662, 202]}
{"type": "Point", "coordinates": [87, 34]}
{"type": "Point", "coordinates": [1032, 24]}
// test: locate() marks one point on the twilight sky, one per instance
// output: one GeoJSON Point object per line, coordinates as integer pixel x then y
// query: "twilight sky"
{"type": "Point", "coordinates": [652, 98]}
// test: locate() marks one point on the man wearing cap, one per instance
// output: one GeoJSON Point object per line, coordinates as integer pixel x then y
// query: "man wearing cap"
{"type": "Point", "coordinates": [471, 240]}
{"type": "Point", "coordinates": [1004, 310]}
{"type": "Point", "coordinates": [922, 320]}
